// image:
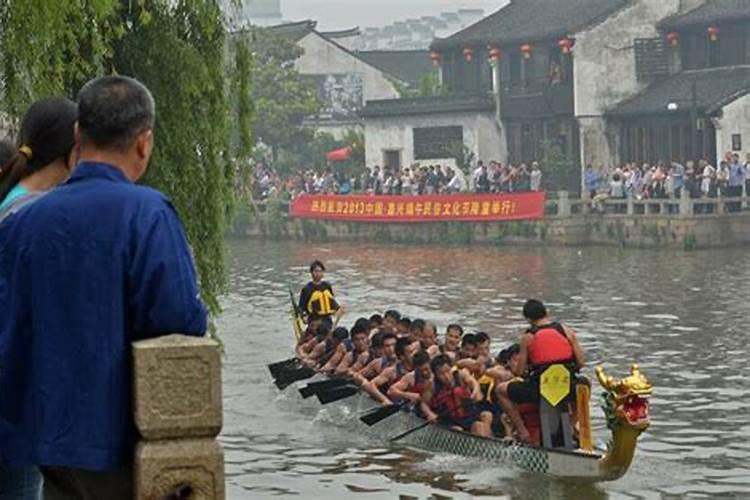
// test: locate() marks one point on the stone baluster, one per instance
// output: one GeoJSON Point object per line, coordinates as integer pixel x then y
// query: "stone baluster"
{"type": "Point", "coordinates": [686, 204]}
{"type": "Point", "coordinates": [563, 204]}
{"type": "Point", "coordinates": [178, 412]}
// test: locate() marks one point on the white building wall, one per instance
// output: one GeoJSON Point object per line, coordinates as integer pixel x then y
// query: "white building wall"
{"type": "Point", "coordinates": [322, 57]}
{"type": "Point", "coordinates": [480, 132]}
{"type": "Point", "coordinates": [605, 72]}
{"type": "Point", "coordinates": [735, 120]}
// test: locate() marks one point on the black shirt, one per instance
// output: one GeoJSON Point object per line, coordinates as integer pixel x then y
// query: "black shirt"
{"type": "Point", "coordinates": [317, 300]}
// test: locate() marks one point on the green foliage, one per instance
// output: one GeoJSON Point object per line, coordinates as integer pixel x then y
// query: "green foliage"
{"type": "Point", "coordinates": [51, 48]}
{"type": "Point", "coordinates": [282, 97]}
{"type": "Point", "coordinates": [560, 171]}
{"type": "Point", "coordinates": [175, 47]}
{"type": "Point", "coordinates": [464, 157]}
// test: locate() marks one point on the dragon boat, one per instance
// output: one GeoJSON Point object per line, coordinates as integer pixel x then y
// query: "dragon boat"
{"type": "Point", "coordinates": [625, 405]}
{"type": "Point", "coordinates": [625, 402]}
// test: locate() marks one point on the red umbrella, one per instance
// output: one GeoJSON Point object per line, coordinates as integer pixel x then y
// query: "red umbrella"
{"type": "Point", "coordinates": [342, 154]}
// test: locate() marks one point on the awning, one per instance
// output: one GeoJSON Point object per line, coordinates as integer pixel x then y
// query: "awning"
{"type": "Point", "coordinates": [342, 154]}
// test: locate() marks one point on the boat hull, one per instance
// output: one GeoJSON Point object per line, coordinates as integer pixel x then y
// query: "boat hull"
{"type": "Point", "coordinates": [438, 439]}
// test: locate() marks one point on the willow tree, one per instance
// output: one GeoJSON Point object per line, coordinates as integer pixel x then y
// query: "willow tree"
{"type": "Point", "coordinates": [176, 47]}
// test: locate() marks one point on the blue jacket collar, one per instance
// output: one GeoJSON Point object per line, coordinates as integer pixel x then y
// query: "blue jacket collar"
{"type": "Point", "coordinates": [88, 170]}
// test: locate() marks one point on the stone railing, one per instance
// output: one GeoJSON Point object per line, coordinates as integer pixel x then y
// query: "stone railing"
{"type": "Point", "coordinates": [178, 412]}
{"type": "Point", "coordinates": [562, 205]}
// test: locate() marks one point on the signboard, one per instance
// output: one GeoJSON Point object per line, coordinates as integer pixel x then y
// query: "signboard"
{"type": "Point", "coordinates": [428, 208]}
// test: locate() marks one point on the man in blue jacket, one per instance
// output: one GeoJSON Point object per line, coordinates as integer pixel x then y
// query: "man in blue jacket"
{"type": "Point", "coordinates": [84, 271]}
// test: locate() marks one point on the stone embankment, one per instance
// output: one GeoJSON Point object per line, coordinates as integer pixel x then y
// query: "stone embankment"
{"type": "Point", "coordinates": [679, 223]}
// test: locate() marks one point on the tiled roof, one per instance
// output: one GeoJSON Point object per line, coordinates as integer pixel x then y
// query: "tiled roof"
{"type": "Point", "coordinates": [530, 20]}
{"type": "Point", "coordinates": [713, 11]}
{"type": "Point", "coordinates": [428, 105]}
{"type": "Point", "coordinates": [714, 88]}
{"type": "Point", "coordinates": [409, 66]}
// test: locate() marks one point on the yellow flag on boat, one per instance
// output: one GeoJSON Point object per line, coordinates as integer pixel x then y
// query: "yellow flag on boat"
{"type": "Point", "coordinates": [297, 323]}
{"type": "Point", "coordinates": [555, 384]}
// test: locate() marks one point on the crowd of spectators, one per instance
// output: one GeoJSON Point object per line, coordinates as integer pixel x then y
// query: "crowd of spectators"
{"type": "Point", "coordinates": [662, 180]}
{"type": "Point", "coordinates": [411, 180]}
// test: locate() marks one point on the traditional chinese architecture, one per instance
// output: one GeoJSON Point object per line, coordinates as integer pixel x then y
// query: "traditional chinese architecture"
{"type": "Point", "coordinates": [586, 75]}
{"type": "Point", "coordinates": [697, 103]}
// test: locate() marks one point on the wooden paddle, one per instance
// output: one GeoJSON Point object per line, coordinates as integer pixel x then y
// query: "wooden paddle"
{"type": "Point", "coordinates": [313, 388]}
{"type": "Point", "coordinates": [410, 431]}
{"type": "Point", "coordinates": [288, 378]}
{"type": "Point", "coordinates": [380, 414]}
{"type": "Point", "coordinates": [277, 369]}
{"type": "Point", "coordinates": [337, 394]}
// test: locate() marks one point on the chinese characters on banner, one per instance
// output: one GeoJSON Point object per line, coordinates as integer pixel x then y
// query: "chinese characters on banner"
{"type": "Point", "coordinates": [429, 208]}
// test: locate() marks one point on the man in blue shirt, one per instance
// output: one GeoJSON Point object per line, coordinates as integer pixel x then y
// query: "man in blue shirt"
{"type": "Point", "coordinates": [84, 271]}
{"type": "Point", "coordinates": [736, 181]}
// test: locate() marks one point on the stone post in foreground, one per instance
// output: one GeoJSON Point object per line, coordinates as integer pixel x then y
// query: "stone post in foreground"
{"type": "Point", "coordinates": [178, 412]}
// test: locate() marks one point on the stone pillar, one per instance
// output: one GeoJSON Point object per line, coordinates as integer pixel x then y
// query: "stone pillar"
{"type": "Point", "coordinates": [686, 204]}
{"type": "Point", "coordinates": [563, 204]}
{"type": "Point", "coordinates": [178, 412]}
{"type": "Point", "coordinates": [631, 205]}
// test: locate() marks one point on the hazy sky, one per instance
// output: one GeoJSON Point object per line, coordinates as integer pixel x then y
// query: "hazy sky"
{"type": "Point", "coordinates": [340, 14]}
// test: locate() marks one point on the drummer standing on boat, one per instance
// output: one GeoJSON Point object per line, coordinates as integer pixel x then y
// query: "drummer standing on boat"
{"type": "Point", "coordinates": [316, 301]}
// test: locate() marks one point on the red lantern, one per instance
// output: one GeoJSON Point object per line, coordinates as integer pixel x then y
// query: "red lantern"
{"type": "Point", "coordinates": [526, 50]}
{"type": "Point", "coordinates": [713, 33]}
{"type": "Point", "coordinates": [565, 45]}
{"type": "Point", "coordinates": [673, 38]}
{"type": "Point", "coordinates": [469, 54]}
{"type": "Point", "coordinates": [436, 58]}
{"type": "Point", "coordinates": [495, 55]}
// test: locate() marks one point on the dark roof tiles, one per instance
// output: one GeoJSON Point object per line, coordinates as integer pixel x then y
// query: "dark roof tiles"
{"type": "Point", "coordinates": [529, 20]}
{"type": "Point", "coordinates": [712, 11]}
{"type": "Point", "coordinates": [714, 89]}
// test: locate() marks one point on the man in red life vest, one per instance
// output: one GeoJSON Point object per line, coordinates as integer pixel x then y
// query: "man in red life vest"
{"type": "Point", "coordinates": [452, 397]}
{"type": "Point", "coordinates": [544, 343]}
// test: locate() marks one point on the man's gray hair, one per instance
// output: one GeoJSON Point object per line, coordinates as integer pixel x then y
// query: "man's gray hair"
{"type": "Point", "coordinates": [113, 110]}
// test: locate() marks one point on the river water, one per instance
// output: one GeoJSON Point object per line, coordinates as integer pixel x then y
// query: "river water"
{"type": "Point", "coordinates": [682, 316]}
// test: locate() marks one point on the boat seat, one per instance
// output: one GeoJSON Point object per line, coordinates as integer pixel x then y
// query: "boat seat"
{"type": "Point", "coordinates": [555, 387]}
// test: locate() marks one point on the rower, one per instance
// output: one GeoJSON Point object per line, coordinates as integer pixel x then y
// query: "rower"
{"type": "Point", "coordinates": [404, 326]}
{"type": "Point", "coordinates": [375, 387]}
{"type": "Point", "coordinates": [469, 347]}
{"type": "Point", "coordinates": [376, 366]}
{"type": "Point", "coordinates": [316, 298]}
{"type": "Point", "coordinates": [326, 349]}
{"type": "Point", "coordinates": [374, 351]}
{"type": "Point", "coordinates": [318, 331]}
{"type": "Point", "coordinates": [428, 340]}
{"type": "Point", "coordinates": [358, 342]}
{"type": "Point", "coordinates": [391, 319]}
{"type": "Point", "coordinates": [452, 343]}
{"type": "Point", "coordinates": [549, 355]}
{"type": "Point", "coordinates": [450, 400]}
{"type": "Point", "coordinates": [412, 385]}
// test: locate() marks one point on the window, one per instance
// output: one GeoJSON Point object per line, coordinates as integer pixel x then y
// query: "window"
{"type": "Point", "coordinates": [437, 142]}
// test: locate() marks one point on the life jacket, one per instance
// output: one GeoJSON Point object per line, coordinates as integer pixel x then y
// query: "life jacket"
{"type": "Point", "coordinates": [420, 383]}
{"type": "Point", "coordinates": [487, 386]}
{"type": "Point", "coordinates": [549, 346]}
{"type": "Point", "coordinates": [448, 401]}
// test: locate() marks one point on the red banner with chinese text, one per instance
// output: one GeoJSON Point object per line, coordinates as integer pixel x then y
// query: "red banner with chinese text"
{"type": "Point", "coordinates": [427, 208]}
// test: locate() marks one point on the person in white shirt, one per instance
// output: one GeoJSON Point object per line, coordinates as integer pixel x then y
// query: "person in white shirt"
{"type": "Point", "coordinates": [535, 177]}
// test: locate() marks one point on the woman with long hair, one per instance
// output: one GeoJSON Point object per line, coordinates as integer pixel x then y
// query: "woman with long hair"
{"type": "Point", "coordinates": [44, 157]}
